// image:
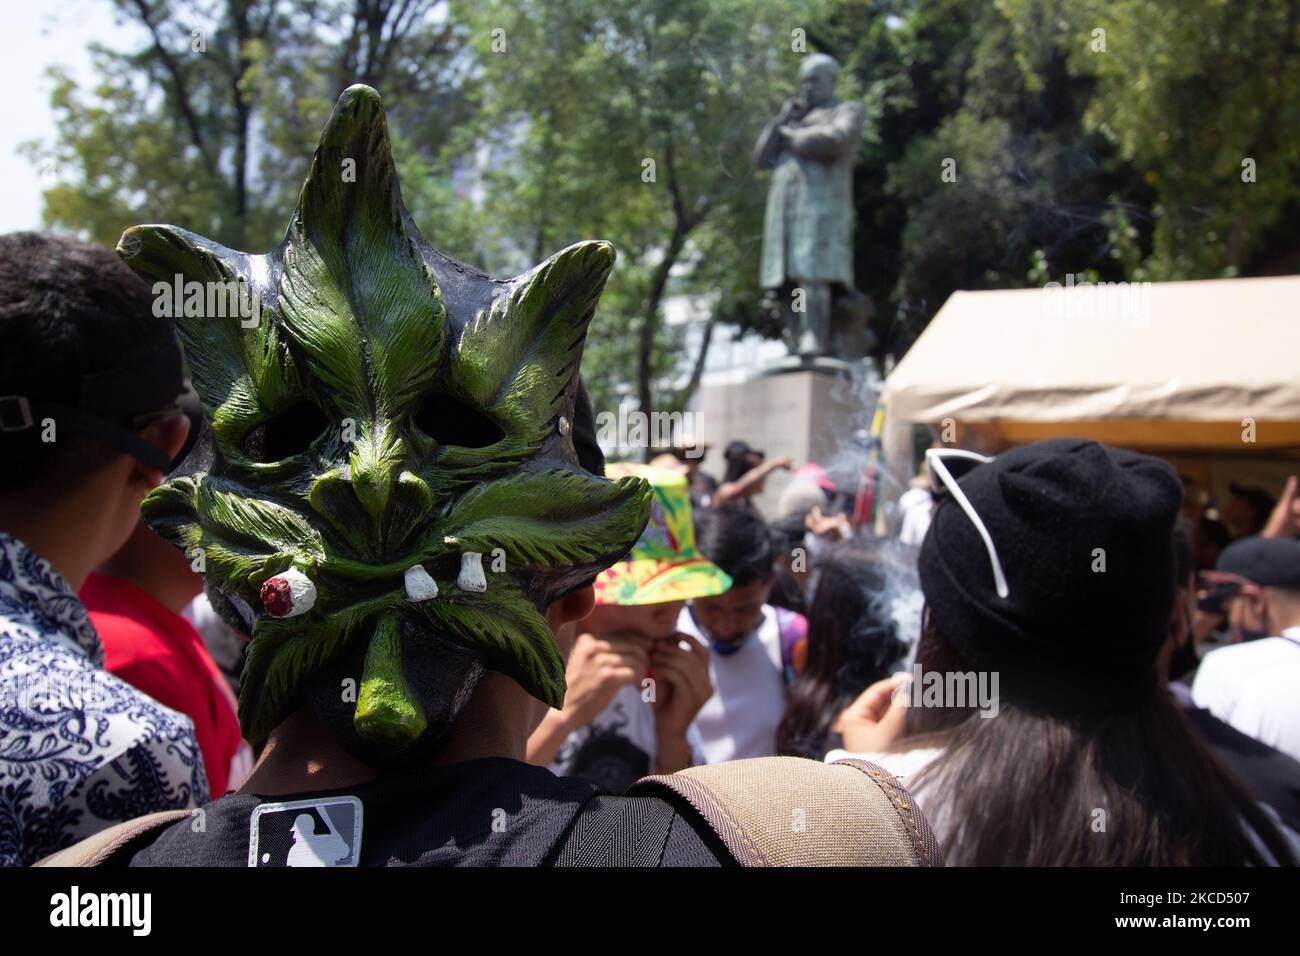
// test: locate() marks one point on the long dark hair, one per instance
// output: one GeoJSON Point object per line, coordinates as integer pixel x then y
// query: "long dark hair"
{"type": "Point", "coordinates": [851, 645]}
{"type": "Point", "coordinates": [1036, 787]}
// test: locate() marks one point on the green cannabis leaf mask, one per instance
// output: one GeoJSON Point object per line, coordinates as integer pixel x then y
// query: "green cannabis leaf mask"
{"type": "Point", "coordinates": [387, 494]}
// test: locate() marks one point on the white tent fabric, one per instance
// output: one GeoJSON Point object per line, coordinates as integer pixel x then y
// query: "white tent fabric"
{"type": "Point", "coordinates": [1163, 366]}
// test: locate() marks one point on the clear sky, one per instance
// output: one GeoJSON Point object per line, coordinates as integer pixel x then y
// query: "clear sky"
{"type": "Point", "coordinates": [35, 35]}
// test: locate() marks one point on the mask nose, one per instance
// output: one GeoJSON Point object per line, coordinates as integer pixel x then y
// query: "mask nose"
{"type": "Point", "coordinates": [376, 502]}
{"type": "Point", "coordinates": [372, 480]}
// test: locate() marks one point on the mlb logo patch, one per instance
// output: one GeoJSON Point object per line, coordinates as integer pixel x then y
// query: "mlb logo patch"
{"type": "Point", "coordinates": [324, 832]}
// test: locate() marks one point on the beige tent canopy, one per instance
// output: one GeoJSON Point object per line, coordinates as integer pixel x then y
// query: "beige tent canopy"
{"type": "Point", "coordinates": [1180, 369]}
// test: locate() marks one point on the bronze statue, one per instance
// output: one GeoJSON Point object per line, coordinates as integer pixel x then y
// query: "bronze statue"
{"type": "Point", "coordinates": [808, 229]}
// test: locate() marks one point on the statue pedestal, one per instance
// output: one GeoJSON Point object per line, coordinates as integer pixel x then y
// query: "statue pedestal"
{"type": "Point", "coordinates": [808, 415]}
{"type": "Point", "coordinates": [823, 364]}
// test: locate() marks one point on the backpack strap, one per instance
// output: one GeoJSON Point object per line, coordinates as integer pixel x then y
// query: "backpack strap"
{"type": "Point", "coordinates": [788, 811]}
{"type": "Point", "coordinates": [116, 845]}
{"type": "Point", "coordinates": [617, 831]}
{"type": "Point", "coordinates": [793, 630]}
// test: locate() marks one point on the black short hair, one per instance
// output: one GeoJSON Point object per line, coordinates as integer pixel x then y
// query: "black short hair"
{"type": "Point", "coordinates": [1261, 503]}
{"type": "Point", "coordinates": [68, 309]}
{"type": "Point", "coordinates": [737, 540]}
{"type": "Point", "coordinates": [737, 457]}
{"type": "Point", "coordinates": [1183, 559]}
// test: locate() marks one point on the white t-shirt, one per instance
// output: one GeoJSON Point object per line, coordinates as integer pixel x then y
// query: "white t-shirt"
{"type": "Point", "coordinates": [740, 720]}
{"type": "Point", "coordinates": [617, 748]}
{"type": "Point", "coordinates": [916, 507]}
{"type": "Point", "coordinates": [903, 764]}
{"type": "Point", "coordinates": [620, 746]}
{"type": "Point", "coordinates": [1255, 687]}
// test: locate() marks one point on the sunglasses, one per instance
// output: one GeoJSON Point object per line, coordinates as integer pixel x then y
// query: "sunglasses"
{"type": "Point", "coordinates": [1213, 588]}
{"type": "Point", "coordinates": [941, 462]}
{"type": "Point", "coordinates": [148, 418]}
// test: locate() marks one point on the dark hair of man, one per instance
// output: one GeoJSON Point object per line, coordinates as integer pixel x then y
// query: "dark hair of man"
{"type": "Point", "coordinates": [1183, 533]}
{"type": "Point", "coordinates": [68, 309]}
{"type": "Point", "coordinates": [1260, 502]}
{"type": "Point", "coordinates": [737, 456]}
{"type": "Point", "coordinates": [1025, 787]}
{"type": "Point", "coordinates": [1183, 660]}
{"type": "Point", "coordinates": [1211, 537]}
{"type": "Point", "coordinates": [850, 647]}
{"type": "Point", "coordinates": [738, 541]}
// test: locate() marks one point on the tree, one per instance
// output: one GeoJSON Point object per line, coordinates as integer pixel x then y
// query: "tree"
{"type": "Point", "coordinates": [981, 173]}
{"type": "Point", "coordinates": [211, 120]}
{"type": "Point", "coordinates": [1203, 98]}
{"type": "Point", "coordinates": [632, 120]}
{"type": "Point", "coordinates": [1133, 139]}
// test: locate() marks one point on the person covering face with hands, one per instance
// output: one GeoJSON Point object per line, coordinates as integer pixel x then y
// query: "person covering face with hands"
{"type": "Point", "coordinates": [634, 683]}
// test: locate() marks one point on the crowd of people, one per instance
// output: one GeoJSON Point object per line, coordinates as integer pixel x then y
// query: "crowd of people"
{"type": "Point", "coordinates": [1068, 657]}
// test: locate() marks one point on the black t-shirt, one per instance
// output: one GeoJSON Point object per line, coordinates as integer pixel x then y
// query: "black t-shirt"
{"type": "Point", "coordinates": [489, 812]}
{"type": "Point", "coordinates": [1270, 776]}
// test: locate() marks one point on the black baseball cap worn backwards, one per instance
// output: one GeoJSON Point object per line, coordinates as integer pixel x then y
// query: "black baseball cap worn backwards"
{"type": "Point", "coordinates": [111, 405]}
{"type": "Point", "coordinates": [1268, 562]}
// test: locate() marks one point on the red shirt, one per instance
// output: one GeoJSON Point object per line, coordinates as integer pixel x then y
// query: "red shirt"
{"type": "Point", "coordinates": [158, 651]}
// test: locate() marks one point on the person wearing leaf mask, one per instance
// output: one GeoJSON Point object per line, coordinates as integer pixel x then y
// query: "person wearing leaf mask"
{"type": "Point", "coordinates": [398, 495]}
{"type": "Point", "coordinates": [388, 498]}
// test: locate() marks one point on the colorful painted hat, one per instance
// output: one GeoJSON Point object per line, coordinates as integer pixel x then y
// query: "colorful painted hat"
{"type": "Point", "coordinates": [664, 565]}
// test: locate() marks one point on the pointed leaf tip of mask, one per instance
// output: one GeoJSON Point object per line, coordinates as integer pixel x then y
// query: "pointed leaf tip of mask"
{"type": "Point", "coordinates": [129, 243]}
{"type": "Point", "coordinates": [161, 252]}
{"type": "Point", "coordinates": [598, 253]}
{"type": "Point", "coordinates": [353, 167]}
{"type": "Point", "coordinates": [357, 106]}
{"type": "Point", "coordinates": [590, 262]}
{"type": "Point", "coordinates": [360, 91]}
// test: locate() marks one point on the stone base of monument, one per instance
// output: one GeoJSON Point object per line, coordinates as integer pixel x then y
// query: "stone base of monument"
{"type": "Point", "coordinates": [805, 363]}
{"type": "Point", "coordinates": [807, 414]}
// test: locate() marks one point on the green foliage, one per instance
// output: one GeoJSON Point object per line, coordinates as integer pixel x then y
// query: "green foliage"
{"type": "Point", "coordinates": [1188, 92]}
{"type": "Point", "coordinates": [581, 98]}
{"type": "Point", "coordinates": [210, 118]}
{"type": "Point", "coordinates": [523, 126]}
{"type": "Point", "coordinates": [1122, 164]}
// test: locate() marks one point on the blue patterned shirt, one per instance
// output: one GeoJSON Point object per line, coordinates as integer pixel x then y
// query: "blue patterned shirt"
{"type": "Point", "coordinates": [79, 749]}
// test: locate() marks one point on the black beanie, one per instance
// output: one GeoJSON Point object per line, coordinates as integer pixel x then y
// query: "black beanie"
{"type": "Point", "coordinates": [1068, 633]}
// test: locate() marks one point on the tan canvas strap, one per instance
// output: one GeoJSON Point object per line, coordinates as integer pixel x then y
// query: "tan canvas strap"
{"type": "Point", "coordinates": [914, 821]}
{"type": "Point", "coordinates": [99, 849]}
{"type": "Point", "coordinates": [786, 811]}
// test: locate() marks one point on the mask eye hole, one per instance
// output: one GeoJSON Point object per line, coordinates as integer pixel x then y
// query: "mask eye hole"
{"type": "Point", "coordinates": [449, 421]}
{"type": "Point", "coordinates": [285, 434]}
